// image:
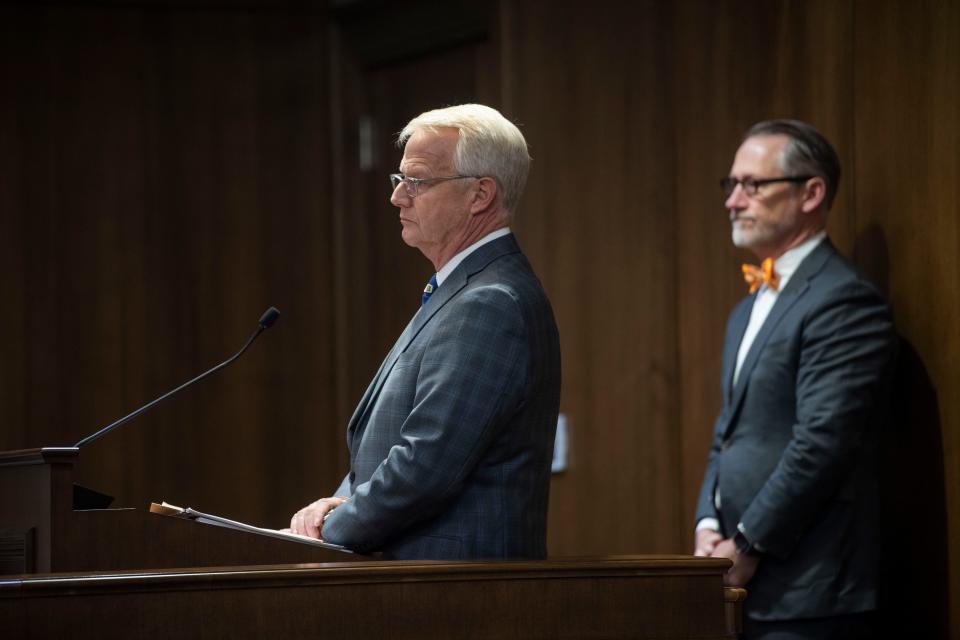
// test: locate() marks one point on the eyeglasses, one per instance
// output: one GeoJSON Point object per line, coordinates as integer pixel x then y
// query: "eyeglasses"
{"type": "Point", "coordinates": [412, 185]}
{"type": "Point", "coordinates": [751, 186]}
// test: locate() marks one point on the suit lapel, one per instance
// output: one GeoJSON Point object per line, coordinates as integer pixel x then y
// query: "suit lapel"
{"type": "Point", "coordinates": [738, 326]}
{"type": "Point", "coordinates": [798, 285]}
{"type": "Point", "coordinates": [473, 264]}
{"type": "Point", "coordinates": [375, 382]}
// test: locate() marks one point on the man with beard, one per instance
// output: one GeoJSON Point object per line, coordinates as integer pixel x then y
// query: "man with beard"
{"type": "Point", "coordinates": [790, 490]}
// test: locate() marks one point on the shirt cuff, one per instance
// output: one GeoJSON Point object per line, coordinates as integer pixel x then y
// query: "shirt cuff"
{"type": "Point", "coordinates": [708, 523]}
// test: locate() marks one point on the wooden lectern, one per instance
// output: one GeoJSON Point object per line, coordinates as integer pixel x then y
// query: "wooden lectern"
{"type": "Point", "coordinates": [121, 573]}
{"type": "Point", "coordinates": [41, 532]}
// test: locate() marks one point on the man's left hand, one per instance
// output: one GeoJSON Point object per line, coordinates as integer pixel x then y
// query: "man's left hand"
{"type": "Point", "coordinates": [744, 566]}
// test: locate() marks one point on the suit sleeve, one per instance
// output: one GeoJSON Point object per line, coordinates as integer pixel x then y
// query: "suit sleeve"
{"type": "Point", "coordinates": [471, 379]}
{"type": "Point", "coordinates": [705, 505]}
{"type": "Point", "coordinates": [846, 347]}
{"type": "Point", "coordinates": [343, 490]}
{"type": "Point", "coordinates": [736, 324]}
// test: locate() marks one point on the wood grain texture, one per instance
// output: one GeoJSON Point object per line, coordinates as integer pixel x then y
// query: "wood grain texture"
{"type": "Point", "coordinates": [170, 172]}
{"type": "Point", "coordinates": [907, 176]}
{"type": "Point", "coordinates": [597, 222]}
{"type": "Point", "coordinates": [164, 182]}
{"type": "Point", "coordinates": [880, 81]}
{"type": "Point", "coordinates": [626, 597]}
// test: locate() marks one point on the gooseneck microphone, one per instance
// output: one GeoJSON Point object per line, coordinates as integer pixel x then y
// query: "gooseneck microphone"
{"type": "Point", "coordinates": [266, 321]}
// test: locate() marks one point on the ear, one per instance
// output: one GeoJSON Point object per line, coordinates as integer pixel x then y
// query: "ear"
{"type": "Point", "coordinates": [484, 195]}
{"type": "Point", "coordinates": [814, 194]}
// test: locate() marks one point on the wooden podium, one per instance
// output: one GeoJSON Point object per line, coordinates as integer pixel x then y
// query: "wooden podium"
{"type": "Point", "coordinates": [41, 532]}
{"type": "Point", "coordinates": [120, 573]}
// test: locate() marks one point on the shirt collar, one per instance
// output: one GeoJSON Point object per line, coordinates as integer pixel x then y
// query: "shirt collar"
{"type": "Point", "coordinates": [787, 264]}
{"type": "Point", "coordinates": [455, 261]}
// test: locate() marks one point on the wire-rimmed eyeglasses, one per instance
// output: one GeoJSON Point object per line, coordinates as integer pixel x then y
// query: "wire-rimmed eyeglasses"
{"type": "Point", "coordinates": [412, 185]}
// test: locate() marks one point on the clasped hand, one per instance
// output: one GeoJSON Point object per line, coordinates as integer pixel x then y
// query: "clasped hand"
{"type": "Point", "coordinates": [711, 543]}
{"type": "Point", "coordinates": [309, 520]}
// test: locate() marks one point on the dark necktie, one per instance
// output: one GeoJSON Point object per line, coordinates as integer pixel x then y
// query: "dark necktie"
{"type": "Point", "coordinates": [429, 289]}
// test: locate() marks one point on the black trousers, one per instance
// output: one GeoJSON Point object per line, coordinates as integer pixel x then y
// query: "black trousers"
{"type": "Point", "coordinates": [856, 626]}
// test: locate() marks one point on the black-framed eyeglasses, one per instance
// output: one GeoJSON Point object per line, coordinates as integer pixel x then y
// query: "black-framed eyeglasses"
{"type": "Point", "coordinates": [751, 186]}
{"type": "Point", "coordinates": [412, 185]}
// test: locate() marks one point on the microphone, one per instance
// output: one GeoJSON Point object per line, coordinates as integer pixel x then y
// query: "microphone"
{"type": "Point", "coordinates": [266, 321]}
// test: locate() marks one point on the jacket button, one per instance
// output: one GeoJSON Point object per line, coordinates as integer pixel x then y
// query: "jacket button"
{"type": "Point", "coordinates": [725, 445]}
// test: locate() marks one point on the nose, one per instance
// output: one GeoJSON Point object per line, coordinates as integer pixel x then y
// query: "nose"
{"type": "Point", "coordinates": [399, 197]}
{"type": "Point", "coordinates": [737, 198]}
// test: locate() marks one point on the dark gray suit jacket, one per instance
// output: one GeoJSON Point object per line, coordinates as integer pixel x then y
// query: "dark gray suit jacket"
{"type": "Point", "coordinates": [795, 444]}
{"type": "Point", "coordinates": [450, 446]}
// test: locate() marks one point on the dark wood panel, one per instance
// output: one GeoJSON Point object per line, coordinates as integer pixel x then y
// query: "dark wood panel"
{"type": "Point", "coordinates": [598, 224]}
{"type": "Point", "coordinates": [166, 181]}
{"type": "Point", "coordinates": [907, 174]}
{"type": "Point", "coordinates": [627, 597]}
{"type": "Point", "coordinates": [167, 175]}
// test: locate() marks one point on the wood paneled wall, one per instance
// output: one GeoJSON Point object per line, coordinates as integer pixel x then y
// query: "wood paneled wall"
{"type": "Point", "coordinates": [906, 223]}
{"type": "Point", "coordinates": [633, 112]}
{"type": "Point", "coordinates": [167, 173]}
{"type": "Point", "coordinates": [598, 222]}
{"type": "Point", "coordinates": [163, 180]}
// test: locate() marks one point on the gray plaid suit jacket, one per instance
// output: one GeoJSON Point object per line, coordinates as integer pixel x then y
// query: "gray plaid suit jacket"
{"type": "Point", "coordinates": [450, 446]}
{"type": "Point", "coordinates": [795, 445]}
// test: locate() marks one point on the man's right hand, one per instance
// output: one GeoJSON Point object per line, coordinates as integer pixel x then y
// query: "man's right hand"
{"type": "Point", "coordinates": [706, 542]}
{"type": "Point", "coordinates": [309, 520]}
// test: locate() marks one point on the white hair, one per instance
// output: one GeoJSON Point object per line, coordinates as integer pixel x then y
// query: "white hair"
{"type": "Point", "coordinates": [488, 145]}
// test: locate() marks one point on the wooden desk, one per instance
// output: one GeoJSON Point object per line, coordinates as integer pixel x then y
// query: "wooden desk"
{"type": "Point", "coordinates": [662, 597]}
{"type": "Point", "coordinates": [40, 531]}
{"type": "Point", "coordinates": [125, 581]}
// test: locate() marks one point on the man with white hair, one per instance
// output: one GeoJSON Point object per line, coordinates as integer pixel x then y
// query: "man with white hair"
{"type": "Point", "coordinates": [450, 446]}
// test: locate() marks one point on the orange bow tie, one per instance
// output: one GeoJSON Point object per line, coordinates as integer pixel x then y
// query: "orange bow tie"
{"type": "Point", "coordinates": [764, 274]}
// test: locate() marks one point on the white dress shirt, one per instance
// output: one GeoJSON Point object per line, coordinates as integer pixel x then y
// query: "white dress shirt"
{"type": "Point", "coordinates": [785, 266]}
{"type": "Point", "coordinates": [455, 261]}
